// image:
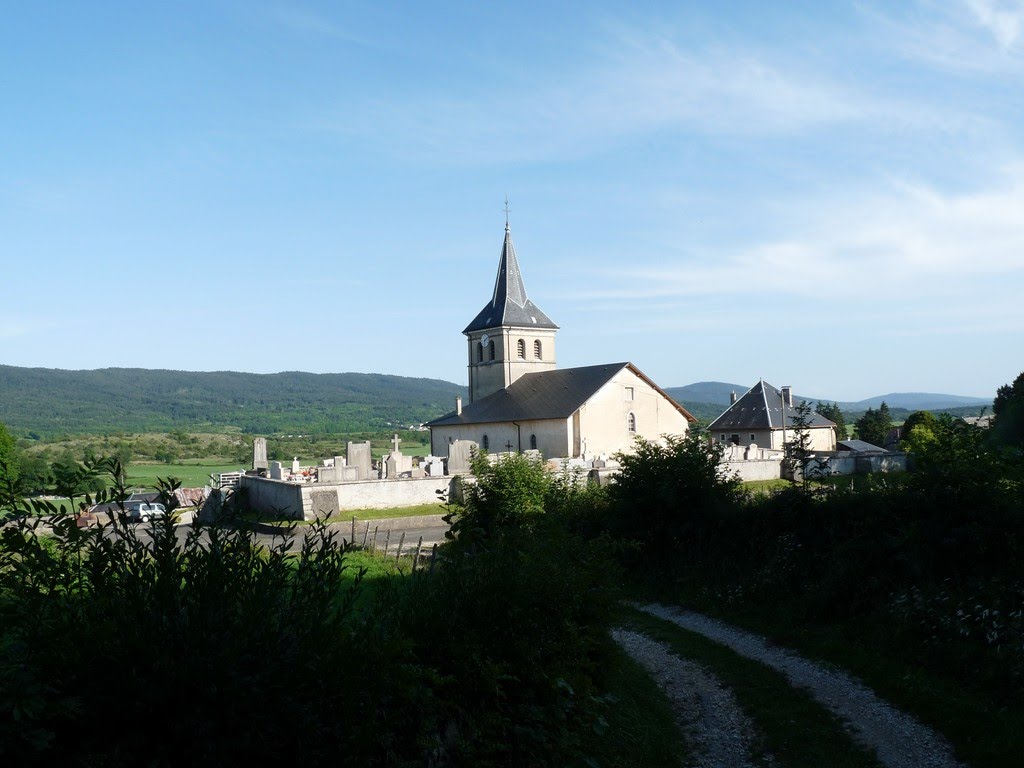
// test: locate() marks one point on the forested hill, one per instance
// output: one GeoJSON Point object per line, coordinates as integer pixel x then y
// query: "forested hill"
{"type": "Point", "coordinates": [48, 401]}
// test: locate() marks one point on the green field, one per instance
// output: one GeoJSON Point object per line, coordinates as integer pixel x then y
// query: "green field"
{"type": "Point", "coordinates": [193, 474]}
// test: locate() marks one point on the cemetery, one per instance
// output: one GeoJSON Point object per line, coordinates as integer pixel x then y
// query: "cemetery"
{"type": "Point", "coordinates": [356, 481]}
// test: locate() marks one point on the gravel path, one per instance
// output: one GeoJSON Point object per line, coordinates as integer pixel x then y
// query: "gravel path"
{"type": "Point", "coordinates": [899, 740]}
{"type": "Point", "coordinates": [715, 727]}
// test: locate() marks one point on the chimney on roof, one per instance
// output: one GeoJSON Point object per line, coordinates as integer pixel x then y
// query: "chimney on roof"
{"type": "Point", "coordinates": [732, 398]}
{"type": "Point", "coordinates": [458, 405]}
{"type": "Point", "coordinates": [787, 395]}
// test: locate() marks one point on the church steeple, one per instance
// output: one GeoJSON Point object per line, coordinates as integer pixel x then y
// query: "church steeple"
{"type": "Point", "coordinates": [509, 303]}
{"type": "Point", "coordinates": [510, 336]}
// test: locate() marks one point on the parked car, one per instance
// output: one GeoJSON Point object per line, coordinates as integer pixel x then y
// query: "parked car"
{"type": "Point", "coordinates": [145, 512]}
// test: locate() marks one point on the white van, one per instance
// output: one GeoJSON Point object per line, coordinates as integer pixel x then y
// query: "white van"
{"type": "Point", "coordinates": [145, 512]}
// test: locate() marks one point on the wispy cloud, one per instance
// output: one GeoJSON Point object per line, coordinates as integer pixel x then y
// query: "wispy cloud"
{"type": "Point", "coordinates": [968, 36]}
{"type": "Point", "coordinates": [943, 246]}
{"type": "Point", "coordinates": [306, 22]}
{"type": "Point", "coordinates": [1002, 18]}
{"type": "Point", "coordinates": [632, 84]}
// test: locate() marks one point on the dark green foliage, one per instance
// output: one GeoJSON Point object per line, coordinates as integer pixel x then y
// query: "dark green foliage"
{"type": "Point", "coordinates": [124, 647]}
{"type": "Point", "coordinates": [832, 412]}
{"type": "Point", "coordinates": [507, 497]}
{"type": "Point", "coordinates": [798, 446]}
{"type": "Point", "coordinates": [874, 426]}
{"type": "Point", "coordinates": [136, 400]}
{"type": "Point", "coordinates": [668, 498]}
{"type": "Point", "coordinates": [1008, 408]}
{"type": "Point", "coordinates": [930, 563]}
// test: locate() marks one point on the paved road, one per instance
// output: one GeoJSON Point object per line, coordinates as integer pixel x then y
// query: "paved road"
{"type": "Point", "coordinates": [431, 535]}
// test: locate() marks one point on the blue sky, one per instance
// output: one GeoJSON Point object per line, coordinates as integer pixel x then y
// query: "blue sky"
{"type": "Point", "coordinates": [827, 195]}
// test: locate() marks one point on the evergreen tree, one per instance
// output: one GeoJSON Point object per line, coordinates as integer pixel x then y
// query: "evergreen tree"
{"type": "Point", "coordinates": [832, 412]}
{"type": "Point", "coordinates": [1009, 413]}
{"type": "Point", "coordinates": [798, 449]}
{"type": "Point", "coordinates": [874, 426]}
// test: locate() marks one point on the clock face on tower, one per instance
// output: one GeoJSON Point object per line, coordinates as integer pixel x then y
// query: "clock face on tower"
{"type": "Point", "coordinates": [485, 339]}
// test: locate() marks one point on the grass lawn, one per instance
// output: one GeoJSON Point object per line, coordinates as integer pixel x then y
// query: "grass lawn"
{"type": "Point", "coordinates": [193, 474]}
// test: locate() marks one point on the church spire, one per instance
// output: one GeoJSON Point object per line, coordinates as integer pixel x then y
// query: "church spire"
{"type": "Point", "coordinates": [509, 304]}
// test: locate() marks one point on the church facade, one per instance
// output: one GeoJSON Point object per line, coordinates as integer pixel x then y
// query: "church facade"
{"type": "Point", "coordinates": [520, 400]}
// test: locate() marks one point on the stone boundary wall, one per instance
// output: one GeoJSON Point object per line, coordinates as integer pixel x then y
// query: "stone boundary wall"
{"type": "Point", "coordinates": [757, 469]}
{"type": "Point", "coordinates": [295, 500]}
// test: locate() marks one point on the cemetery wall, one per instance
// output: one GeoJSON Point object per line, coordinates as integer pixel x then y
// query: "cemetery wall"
{"type": "Point", "coordinates": [296, 500]}
{"type": "Point", "coordinates": [757, 469]}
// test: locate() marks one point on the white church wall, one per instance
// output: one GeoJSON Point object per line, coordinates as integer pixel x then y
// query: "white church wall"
{"type": "Point", "coordinates": [552, 436]}
{"type": "Point", "coordinates": [604, 419]}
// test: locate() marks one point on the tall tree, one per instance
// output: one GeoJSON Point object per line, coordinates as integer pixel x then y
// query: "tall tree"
{"type": "Point", "coordinates": [9, 464]}
{"type": "Point", "coordinates": [919, 429]}
{"type": "Point", "coordinates": [1008, 408]}
{"type": "Point", "coordinates": [832, 412]}
{"type": "Point", "coordinates": [874, 426]}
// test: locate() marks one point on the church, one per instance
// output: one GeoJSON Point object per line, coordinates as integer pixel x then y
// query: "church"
{"type": "Point", "coordinates": [520, 400]}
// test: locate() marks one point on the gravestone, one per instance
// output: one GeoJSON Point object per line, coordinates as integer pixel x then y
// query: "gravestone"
{"type": "Point", "coordinates": [327, 474]}
{"type": "Point", "coordinates": [259, 453]}
{"type": "Point", "coordinates": [358, 455]}
{"type": "Point", "coordinates": [296, 468]}
{"type": "Point", "coordinates": [276, 471]}
{"type": "Point", "coordinates": [348, 474]}
{"type": "Point", "coordinates": [459, 455]}
{"type": "Point", "coordinates": [433, 466]}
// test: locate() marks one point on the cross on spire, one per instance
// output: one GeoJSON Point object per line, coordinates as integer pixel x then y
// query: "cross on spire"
{"type": "Point", "coordinates": [507, 209]}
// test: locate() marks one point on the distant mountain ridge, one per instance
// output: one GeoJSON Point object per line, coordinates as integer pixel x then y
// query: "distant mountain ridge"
{"type": "Point", "coordinates": [51, 401]}
{"type": "Point", "coordinates": [717, 393]}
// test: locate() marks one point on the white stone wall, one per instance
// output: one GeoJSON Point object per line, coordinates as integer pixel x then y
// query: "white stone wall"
{"type": "Point", "coordinates": [822, 438]}
{"type": "Point", "coordinates": [295, 499]}
{"type": "Point", "coordinates": [604, 418]}
{"type": "Point", "coordinates": [760, 469]}
{"type": "Point", "coordinates": [553, 436]}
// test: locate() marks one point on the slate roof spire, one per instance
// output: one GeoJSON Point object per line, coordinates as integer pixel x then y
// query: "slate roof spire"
{"type": "Point", "coordinates": [509, 304]}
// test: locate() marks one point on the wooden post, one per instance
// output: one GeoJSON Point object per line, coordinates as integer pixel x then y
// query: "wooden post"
{"type": "Point", "coordinates": [416, 557]}
{"type": "Point", "coordinates": [401, 541]}
{"type": "Point", "coordinates": [366, 533]}
{"type": "Point", "coordinates": [387, 541]}
{"type": "Point", "coordinates": [433, 557]}
{"type": "Point", "coordinates": [373, 546]}
{"type": "Point", "coordinates": [353, 539]}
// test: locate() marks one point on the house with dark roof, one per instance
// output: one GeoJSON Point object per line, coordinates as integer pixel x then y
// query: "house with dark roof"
{"type": "Point", "coordinates": [519, 400]}
{"type": "Point", "coordinates": [763, 416]}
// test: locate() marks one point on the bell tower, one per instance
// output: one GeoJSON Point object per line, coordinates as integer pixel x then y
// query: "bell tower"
{"type": "Point", "coordinates": [510, 336]}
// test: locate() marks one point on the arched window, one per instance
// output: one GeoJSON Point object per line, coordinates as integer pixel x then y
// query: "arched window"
{"type": "Point", "coordinates": [537, 350]}
{"type": "Point", "coordinates": [491, 345]}
{"type": "Point", "coordinates": [486, 443]}
{"type": "Point", "coordinates": [533, 442]}
{"type": "Point", "coordinates": [631, 423]}
{"type": "Point", "coordinates": [521, 349]}
{"type": "Point", "coordinates": [479, 352]}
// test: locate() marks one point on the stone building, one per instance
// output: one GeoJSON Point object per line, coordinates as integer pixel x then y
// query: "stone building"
{"type": "Point", "coordinates": [519, 400]}
{"type": "Point", "coordinates": [764, 417]}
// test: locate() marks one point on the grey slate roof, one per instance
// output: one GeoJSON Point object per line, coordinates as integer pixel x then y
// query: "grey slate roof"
{"type": "Point", "coordinates": [509, 304]}
{"type": "Point", "coordinates": [546, 395]}
{"type": "Point", "coordinates": [761, 408]}
{"type": "Point", "coordinates": [858, 446]}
